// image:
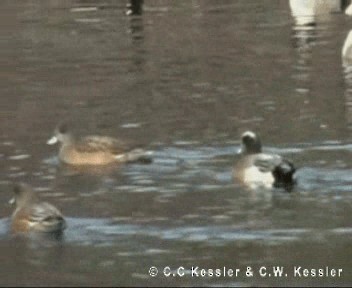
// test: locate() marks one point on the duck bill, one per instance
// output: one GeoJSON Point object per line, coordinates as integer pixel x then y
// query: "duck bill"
{"type": "Point", "coordinates": [53, 140]}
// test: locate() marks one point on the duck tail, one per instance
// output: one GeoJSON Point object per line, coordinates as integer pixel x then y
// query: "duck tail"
{"type": "Point", "coordinates": [284, 174]}
{"type": "Point", "coordinates": [136, 156]}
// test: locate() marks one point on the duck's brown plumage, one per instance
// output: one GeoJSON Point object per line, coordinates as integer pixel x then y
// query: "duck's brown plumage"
{"type": "Point", "coordinates": [95, 150]}
{"type": "Point", "coordinates": [33, 215]}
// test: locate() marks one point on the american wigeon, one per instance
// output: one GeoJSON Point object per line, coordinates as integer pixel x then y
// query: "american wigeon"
{"type": "Point", "coordinates": [32, 215]}
{"type": "Point", "coordinates": [94, 150]}
{"type": "Point", "coordinates": [257, 169]}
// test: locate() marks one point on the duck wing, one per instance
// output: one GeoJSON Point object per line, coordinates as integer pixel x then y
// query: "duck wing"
{"type": "Point", "coordinates": [93, 144]}
{"type": "Point", "coordinates": [45, 217]}
{"type": "Point", "coordinates": [267, 162]}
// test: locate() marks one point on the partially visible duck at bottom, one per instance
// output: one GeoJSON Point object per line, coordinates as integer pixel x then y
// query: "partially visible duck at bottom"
{"type": "Point", "coordinates": [256, 169]}
{"type": "Point", "coordinates": [33, 215]}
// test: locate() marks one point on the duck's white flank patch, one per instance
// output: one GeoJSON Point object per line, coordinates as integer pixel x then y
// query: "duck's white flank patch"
{"type": "Point", "coordinates": [253, 177]}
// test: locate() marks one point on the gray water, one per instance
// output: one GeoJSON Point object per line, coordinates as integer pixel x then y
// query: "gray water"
{"type": "Point", "coordinates": [183, 79]}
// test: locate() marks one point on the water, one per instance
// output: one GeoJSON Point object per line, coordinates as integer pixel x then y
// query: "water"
{"type": "Point", "coordinates": [184, 79]}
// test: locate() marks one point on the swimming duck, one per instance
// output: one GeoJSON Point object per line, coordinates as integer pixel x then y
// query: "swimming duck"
{"type": "Point", "coordinates": [258, 169]}
{"type": "Point", "coordinates": [94, 150]}
{"type": "Point", "coordinates": [33, 215]}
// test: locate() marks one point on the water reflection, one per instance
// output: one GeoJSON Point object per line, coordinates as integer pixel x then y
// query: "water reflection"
{"type": "Point", "coordinates": [137, 33]}
{"type": "Point", "coordinates": [310, 43]}
{"type": "Point", "coordinates": [304, 38]}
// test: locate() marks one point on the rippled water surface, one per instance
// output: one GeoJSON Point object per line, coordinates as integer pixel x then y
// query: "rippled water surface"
{"type": "Point", "coordinates": [183, 79]}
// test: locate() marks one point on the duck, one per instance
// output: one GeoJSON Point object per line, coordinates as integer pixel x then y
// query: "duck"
{"type": "Point", "coordinates": [306, 11]}
{"type": "Point", "coordinates": [94, 149]}
{"type": "Point", "coordinates": [347, 47]}
{"type": "Point", "coordinates": [256, 169]}
{"type": "Point", "coordinates": [33, 215]}
{"type": "Point", "coordinates": [348, 10]}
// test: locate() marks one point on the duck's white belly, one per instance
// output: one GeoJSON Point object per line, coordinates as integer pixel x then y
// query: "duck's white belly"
{"type": "Point", "coordinates": [255, 178]}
